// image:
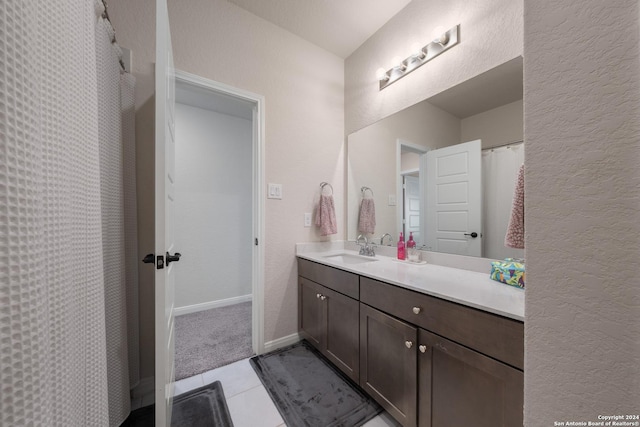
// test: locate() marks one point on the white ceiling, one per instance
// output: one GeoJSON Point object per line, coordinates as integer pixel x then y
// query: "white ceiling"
{"type": "Point", "coordinates": [213, 101]}
{"type": "Point", "coordinates": [339, 26]}
{"type": "Point", "coordinates": [499, 86]}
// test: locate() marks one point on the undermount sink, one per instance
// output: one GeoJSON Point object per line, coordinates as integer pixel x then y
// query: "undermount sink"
{"type": "Point", "coordinates": [350, 258]}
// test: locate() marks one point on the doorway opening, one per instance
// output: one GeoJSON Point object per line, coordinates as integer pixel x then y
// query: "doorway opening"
{"type": "Point", "coordinates": [410, 171]}
{"type": "Point", "coordinates": [219, 158]}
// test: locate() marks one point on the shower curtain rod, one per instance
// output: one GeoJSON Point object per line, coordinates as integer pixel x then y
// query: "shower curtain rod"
{"type": "Point", "coordinates": [105, 15]}
{"type": "Point", "coordinates": [504, 145]}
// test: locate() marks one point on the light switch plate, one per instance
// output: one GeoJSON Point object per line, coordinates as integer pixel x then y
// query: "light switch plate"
{"type": "Point", "coordinates": [392, 199]}
{"type": "Point", "coordinates": [275, 191]}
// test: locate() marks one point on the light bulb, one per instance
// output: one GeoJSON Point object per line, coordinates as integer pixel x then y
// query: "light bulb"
{"type": "Point", "coordinates": [381, 74]}
{"type": "Point", "coordinates": [416, 51]}
{"type": "Point", "coordinates": [440, 36]}
{"type": "Point", "coordinates": [398, 64]}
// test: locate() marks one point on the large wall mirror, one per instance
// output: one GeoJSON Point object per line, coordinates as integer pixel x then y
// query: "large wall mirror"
{"type": "Point", "coordinates": [444, 169]}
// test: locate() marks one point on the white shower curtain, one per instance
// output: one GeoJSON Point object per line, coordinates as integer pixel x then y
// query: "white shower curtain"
{"type": "Point", "coordinates": [59, 295]}
{"type": "Point", "coordinates": [499, 172]}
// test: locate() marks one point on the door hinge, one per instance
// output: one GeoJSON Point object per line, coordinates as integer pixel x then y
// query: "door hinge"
{"type": "Point", "coordinates": [256, 241]}
{"type": "Point", "coordinates": [159, 262]}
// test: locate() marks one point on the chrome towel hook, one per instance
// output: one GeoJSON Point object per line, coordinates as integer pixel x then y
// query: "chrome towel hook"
{"type": "Point", "coordinates": [324, 184]}
{"type": "Point", "coordinates": [364, 190]}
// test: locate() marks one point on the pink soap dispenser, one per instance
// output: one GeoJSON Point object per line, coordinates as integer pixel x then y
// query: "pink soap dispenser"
{"type": "Point", "coordinates": [411, 243]}
{"type": "Point", "coordinates": [401, 254]}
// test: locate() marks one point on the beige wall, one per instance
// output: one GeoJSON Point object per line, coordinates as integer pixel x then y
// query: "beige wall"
{"type": "Point", "coordinates": [490, 34]}
{"type": "Point", "coordinates": [494, 127]}
{"type": "Point", "coordinates": [303, 86]}
{"type": "Point", "coordinates": [582, 131]}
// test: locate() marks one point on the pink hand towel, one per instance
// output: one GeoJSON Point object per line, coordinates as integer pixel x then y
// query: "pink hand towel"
{"type": "Point", "coordinates": [326, 216]}
{"type": "Point", "coordinates": [515, 230]}
{"type": "Point", "coordinates": [367, 218]}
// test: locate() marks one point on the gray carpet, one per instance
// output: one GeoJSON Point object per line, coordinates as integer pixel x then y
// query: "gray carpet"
{"type": "Point", "coordinates": [212, 338]}
{"type": "Point", "coordinates": [202, 407]}
{"type": "Point", "coordinates": [309, 391]}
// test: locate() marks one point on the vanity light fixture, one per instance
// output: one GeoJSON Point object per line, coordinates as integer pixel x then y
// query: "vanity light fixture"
{"type": "Point", "coordinates": [419, 56]}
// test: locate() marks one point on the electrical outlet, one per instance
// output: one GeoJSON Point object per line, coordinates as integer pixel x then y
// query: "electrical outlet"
{"type": "Point", "coordinates": [275, 191]}
{"type": "Point", "coordinates": [392, 199]}
{"type": "Point", "coordinates": [307, 219]}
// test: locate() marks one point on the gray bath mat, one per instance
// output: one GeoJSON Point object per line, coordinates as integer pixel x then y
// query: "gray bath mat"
{"type": "Point", "coordinates": [309, 391]}
{"type": "Point", "coordinates": [203, 407]}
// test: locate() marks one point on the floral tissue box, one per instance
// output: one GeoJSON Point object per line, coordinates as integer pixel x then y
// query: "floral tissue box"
{"type": "Point", "coordinates": [509, 271]}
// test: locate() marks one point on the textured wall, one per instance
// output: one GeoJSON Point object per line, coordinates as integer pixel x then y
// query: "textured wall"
{"type": "Point", "coordinates": [490, 34]}
{"type": "Point", "coordinates": [304, 90]}
{"type": "Point", "coordinates": [213, 205]}
{"type": "Point", "coordinates": [582, 129]}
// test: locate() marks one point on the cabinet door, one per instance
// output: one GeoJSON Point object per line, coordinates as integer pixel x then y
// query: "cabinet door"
{"type": "Point", "coordinates": [310, 316]}
{"type": "Point", "coordinates": [388, 363]}
{"type": "Point", "coordinates": [342, 343]}
{"type": "Point", "coordinates": [460, 387]}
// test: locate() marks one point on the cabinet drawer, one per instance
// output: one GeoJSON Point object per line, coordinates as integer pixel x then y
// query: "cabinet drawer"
{"type": "Point", "coordinates": [490, 334]}
{"type": "Point", "coordinates": [341, 281]}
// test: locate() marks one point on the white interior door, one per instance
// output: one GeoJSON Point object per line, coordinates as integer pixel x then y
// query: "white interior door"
{"type": "Point", "coordinates": [164, 230]}
{"type": "Point", "coordinates": [454, 199]}
{"type": "Point", "coordinates": [412, 207]}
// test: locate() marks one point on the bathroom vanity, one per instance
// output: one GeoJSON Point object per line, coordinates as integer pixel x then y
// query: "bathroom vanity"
{"type": "Point", "coordinates": [435, 346]}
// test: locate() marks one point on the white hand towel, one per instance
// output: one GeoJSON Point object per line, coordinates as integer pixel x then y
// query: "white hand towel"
{"type": "Point", "coordinates": [515, 230]}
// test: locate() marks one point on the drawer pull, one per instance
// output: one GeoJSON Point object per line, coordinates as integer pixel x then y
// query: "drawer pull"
{"type": "Point", "coordinates": [409, 344]}
{"type": "Point", "coordinates": [318, 295]}
{"type": "Point", "coordinates": [423, 348]}
{"type": "Point", "coordinates": [416, 310]}
{"type": "Point", "coordinates": [322, 297]}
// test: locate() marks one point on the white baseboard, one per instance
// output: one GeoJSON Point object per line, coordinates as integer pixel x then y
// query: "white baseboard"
{"type": "Point", "coordinates": [281, 342]}
{"type": "Point", "coordinates": [178, 311]}
{"type": "Point", "coordinates": [145, 387]}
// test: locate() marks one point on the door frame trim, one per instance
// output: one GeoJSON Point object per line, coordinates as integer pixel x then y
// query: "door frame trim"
{"type": "Point", "coordinates": [258, 180]}
{"type": "Point", "coordinates": [422, 151]}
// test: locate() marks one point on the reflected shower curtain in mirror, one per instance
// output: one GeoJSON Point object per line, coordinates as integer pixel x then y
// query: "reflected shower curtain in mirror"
{"type": "Point", "coordinates": [55, 291]}
{"type": "Point", "coordinates": [499, 172]}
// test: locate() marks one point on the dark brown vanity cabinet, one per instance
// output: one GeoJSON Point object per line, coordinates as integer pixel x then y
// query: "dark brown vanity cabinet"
{"type": "Point", "coordinates": [328, 319]}
{"type": "Point", "coordinates": [388, 363]}
{"type": "Point", "coordinates": [461, 387]}
{"type": "Point", "coordinates": [429, 362]}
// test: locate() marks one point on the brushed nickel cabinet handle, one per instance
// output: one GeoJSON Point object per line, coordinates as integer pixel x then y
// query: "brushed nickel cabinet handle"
{"type": "Point", "coordinates": [322, 297]}
{"type": "Point", "coordinates": [422, 348]}
{"type": "Point", "coordinates": [416, 310]}
{"type": "Point", "coordinates": [409, 344]}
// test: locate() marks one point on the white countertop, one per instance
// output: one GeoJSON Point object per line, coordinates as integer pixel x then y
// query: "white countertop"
{"type": "Point", "coordinates": [461, 286]}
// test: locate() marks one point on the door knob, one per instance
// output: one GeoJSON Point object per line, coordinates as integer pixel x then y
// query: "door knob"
{"type": "Point", "coordinates": [422, 348]}
{"type": "Point", "coordinates": [416, 310]}
{"type": "Point", "coordinates": [473, 234]}
{"type": "Point", "coordinates": [409, 344]}
{"type": "Point", "coordinates": [173, 258]}
{"type": "Point", "coordinates": [149, 259]}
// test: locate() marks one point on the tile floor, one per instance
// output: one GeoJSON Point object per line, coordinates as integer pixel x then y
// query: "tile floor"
{"type": "Point", "coordinates": [243, 390]}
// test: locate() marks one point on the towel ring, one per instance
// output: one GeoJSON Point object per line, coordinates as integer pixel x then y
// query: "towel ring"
{"type": "Point", "coordinates": [364, 190]}
{"type": "Point", "coordinates": [324, 184]}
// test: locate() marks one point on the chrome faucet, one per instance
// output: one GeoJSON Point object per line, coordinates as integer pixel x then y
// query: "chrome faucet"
{"type": "Point", "coordinates": [368, 249]}
{"type": "Point", "coordinates": [390, 239]}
